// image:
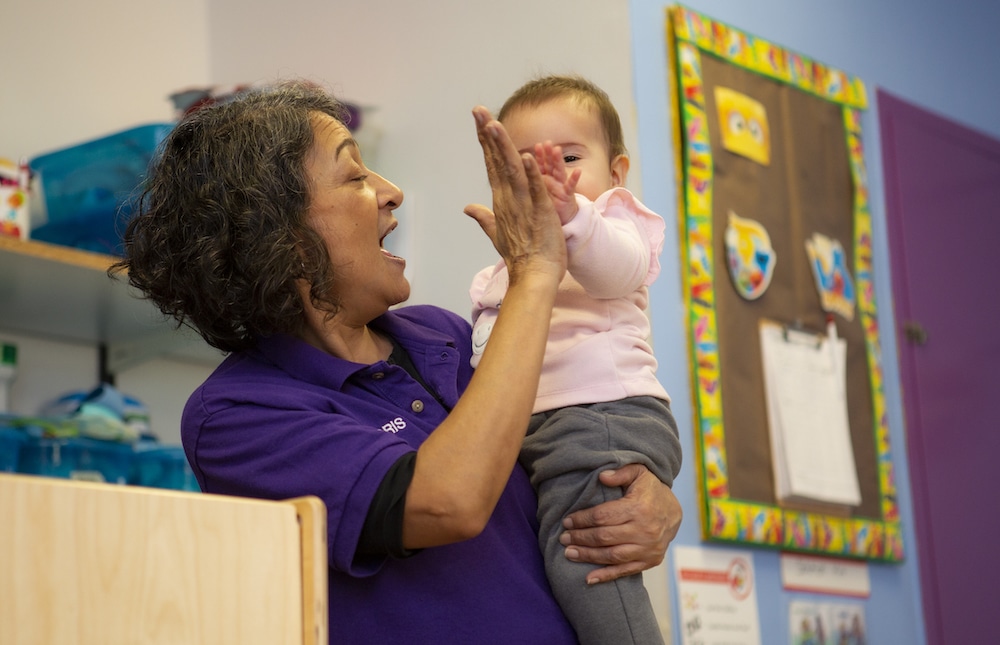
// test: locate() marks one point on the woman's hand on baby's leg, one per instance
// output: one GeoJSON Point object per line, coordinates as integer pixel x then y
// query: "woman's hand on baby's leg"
{"type": "Point", "coordinates": [627, 535]}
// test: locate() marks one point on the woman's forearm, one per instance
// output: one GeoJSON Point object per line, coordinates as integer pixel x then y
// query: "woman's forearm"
{"type": "Point", "coordinates": [463, 467]}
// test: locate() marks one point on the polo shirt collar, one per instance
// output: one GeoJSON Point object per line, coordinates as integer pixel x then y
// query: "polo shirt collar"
{"type": "Point", "coordinates": [303, 361]}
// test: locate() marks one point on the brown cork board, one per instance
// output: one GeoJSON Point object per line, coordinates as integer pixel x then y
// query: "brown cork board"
{"type": "Point", "coordinates": [809, 179]}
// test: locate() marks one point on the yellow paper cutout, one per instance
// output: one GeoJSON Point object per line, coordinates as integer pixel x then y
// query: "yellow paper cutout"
{"type": "Point", "coordinates": [743, 123]}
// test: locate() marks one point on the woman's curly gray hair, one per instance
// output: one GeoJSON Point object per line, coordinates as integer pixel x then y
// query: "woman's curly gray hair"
{"type": "Point", "coordinates": [220, 236]}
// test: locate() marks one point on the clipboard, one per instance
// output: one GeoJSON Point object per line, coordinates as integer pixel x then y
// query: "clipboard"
{"type": "Point", "coordinates": [804, 383]}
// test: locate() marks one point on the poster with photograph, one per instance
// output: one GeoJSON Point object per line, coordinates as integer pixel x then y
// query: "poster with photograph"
{"type": "Point", "coordinates": [812, 623]}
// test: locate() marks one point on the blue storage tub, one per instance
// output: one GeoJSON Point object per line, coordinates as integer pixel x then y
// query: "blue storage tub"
{"type": "Point", "coordinates": [12, 441]}
{"type": "Point", "coordinates": [160, 466]}
{"type": "Point", "coordinates": [77, 458]}
{"type": "Point", "coordinates": [88, 189]}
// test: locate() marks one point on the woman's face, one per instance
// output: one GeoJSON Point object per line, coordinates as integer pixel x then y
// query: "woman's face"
{"type": "Point", "coordinates": [351, 209]}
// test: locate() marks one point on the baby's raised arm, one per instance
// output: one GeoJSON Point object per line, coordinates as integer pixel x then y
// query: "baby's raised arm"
{"type": "Point", "coordinates": [560, 185]}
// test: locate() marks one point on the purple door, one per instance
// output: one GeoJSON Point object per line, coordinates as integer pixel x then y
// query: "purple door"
{"type": "Point", "coordinates": [942, 184]}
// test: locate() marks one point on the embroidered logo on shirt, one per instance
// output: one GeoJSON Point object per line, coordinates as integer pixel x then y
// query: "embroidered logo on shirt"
{"type": "Point", "coordinates": [395, 425]}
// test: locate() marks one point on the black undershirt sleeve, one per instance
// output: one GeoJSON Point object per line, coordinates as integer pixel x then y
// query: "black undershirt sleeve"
{"type": "Point", "coordinates": [382, 533]}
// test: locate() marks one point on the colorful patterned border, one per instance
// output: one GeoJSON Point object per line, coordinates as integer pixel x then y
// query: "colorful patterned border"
{"type": "Point", "coordinates": [724, 519]}
{"type": "Point", "coordinates": [763, 57]}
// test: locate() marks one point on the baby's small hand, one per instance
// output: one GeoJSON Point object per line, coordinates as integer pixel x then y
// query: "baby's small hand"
{"type": "Point", "coordinates": [561, 186]}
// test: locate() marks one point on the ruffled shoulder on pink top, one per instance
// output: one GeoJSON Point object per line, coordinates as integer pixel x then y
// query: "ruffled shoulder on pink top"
{"type": "Point", "coordinates": [477, 290]}
{"type": "Point", "coordinates": [620, 202]}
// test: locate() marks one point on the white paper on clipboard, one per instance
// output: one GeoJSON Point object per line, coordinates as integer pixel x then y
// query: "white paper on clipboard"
{"type": "Point", "coordinates": [804, 382]}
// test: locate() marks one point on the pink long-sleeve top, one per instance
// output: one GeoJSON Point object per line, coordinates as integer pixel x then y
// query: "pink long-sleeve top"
{"type": "Point", "coordinates": [598, 348]}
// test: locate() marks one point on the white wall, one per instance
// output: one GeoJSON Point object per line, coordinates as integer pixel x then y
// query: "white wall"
{"type": "Point", "coordinates": [100, 67]}
{"type": "Point", "coordinates": [76, 71]}
{"type": "Point", "coordinates": [104, 66]}
{"type": "Point", "coordinates": [424, 66]}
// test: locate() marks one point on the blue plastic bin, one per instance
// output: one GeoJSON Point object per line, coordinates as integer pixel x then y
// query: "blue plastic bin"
{"type": "Point", "coordinates": [88, 188]}
{"type": "Point", "coordinates": [77, 458]}
{"type": "Point", "coordinates": [161, 466]}
{"type": "Point", "coordinates": [11, 442]}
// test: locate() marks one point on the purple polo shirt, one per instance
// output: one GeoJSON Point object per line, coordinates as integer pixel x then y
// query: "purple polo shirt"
{"type": "Point", "coordinates": [285, 419]}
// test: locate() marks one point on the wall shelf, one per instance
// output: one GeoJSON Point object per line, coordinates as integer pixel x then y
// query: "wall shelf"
{"type": "Point", "coordinates": [63, 293]}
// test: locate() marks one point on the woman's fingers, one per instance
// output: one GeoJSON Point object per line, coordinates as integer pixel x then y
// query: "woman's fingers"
{"type": "Point", "coordinates": [523, 223]}
{"type": "Point", "coordinates": [503, 162]}
{"type": "Point", "coordinates": [626, 535]}
{"type": "Point", "coordinates": [486, 219]}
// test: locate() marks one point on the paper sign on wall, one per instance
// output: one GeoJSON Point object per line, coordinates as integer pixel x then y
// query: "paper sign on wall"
{"type": "Point", "coordinates": [825, 575]}
{"type": "Point", "coordinates": [717, 593]}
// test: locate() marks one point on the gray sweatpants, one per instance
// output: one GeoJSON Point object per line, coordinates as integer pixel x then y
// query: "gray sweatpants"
{"type": "Point", "coordinates": [564, 452]}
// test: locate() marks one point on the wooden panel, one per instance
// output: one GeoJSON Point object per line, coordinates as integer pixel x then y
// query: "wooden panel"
{"type": "Point", "coordinates": [315, 573]}
{"type": "Point", "coordinates": [98, 563]}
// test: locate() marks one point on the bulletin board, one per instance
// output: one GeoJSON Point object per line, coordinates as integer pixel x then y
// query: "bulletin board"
{"type": "Point", "coordinates": [789, 180]}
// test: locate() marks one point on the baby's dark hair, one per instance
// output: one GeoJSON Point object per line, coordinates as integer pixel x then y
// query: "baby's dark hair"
{"type": "Point", "coordinates": [220, 236]}
{"type": "Point", "coordinates": [545, 88]}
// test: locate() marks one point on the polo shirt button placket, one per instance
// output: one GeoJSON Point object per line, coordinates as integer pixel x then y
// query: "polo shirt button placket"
{"type": "Point", "coordinates": [417, 405]}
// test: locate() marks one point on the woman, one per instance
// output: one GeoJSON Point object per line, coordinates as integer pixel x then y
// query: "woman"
{"type": "Point", "coordinates": [261, 227]}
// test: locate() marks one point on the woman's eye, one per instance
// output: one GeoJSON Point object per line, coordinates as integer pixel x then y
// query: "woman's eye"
{"type": "Point", "coordinates": [360, 178]}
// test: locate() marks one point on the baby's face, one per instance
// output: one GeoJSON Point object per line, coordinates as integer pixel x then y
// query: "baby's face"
{"type": "Point", "coordinates": [576, 128]}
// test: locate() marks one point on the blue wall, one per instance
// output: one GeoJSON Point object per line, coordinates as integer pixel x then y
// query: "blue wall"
{"type": "Point", "coordinates": [938, 55]}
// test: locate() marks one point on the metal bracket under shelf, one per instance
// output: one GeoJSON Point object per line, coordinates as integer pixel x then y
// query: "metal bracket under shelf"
{"type": "Point", "coordinates": [181, 343]}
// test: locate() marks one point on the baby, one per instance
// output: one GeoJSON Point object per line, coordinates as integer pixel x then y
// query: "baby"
{"type": "Point", "coordinates": [599, 404]}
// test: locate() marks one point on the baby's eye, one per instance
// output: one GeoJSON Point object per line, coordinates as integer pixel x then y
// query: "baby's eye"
{"type": "Point", "coordinates": [570, 158]}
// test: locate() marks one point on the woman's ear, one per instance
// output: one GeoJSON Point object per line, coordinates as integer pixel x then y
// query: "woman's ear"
{"type": "Point", "coordinates": [619, 171]}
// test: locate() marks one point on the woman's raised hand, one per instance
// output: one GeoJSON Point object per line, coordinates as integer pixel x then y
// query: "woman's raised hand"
{"type": "Point", "coordinates": [463, 467]}
{"type": "Point", "coordinates": [523, 223]}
